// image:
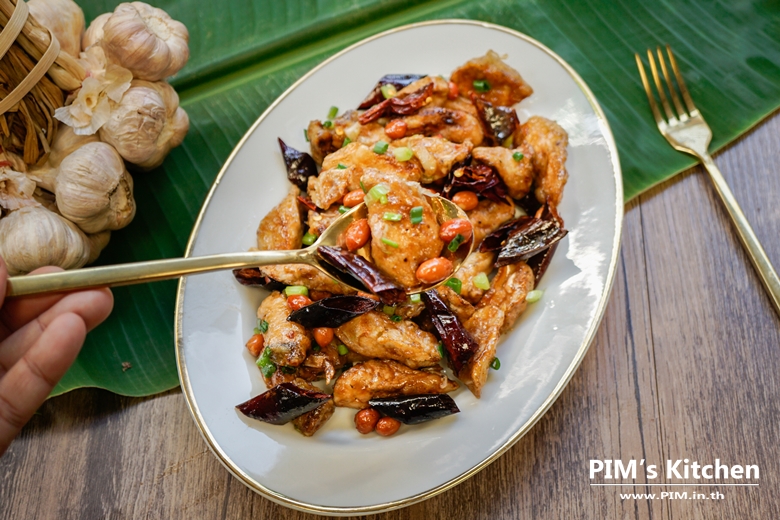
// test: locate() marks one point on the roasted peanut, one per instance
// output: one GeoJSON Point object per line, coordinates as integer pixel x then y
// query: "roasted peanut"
{"type": "Point", "coordinates": [296, 301]}
{"type": "Point", "coordinates": [255, 344]}
{"type": "Point", "coordinates": [452, 228]}
{"type": "Point", "coordinates": [434, 270]}
{"type": "Point", "coordinates": [453, 91]}
{"type": "Point", "coordinates": [366, 419]}
{"type": "Point", "coordinates": [353, 198]}
{"type": "Point", "coordinates": [323, 336]}
{"type": "Point", "coordinates": [396, 129]}
{"type": "Point", "coordinates": [386, 426]}
{"type": "Point", "coordinates": [357, 234]}
{"type": "Point", "coordinates": [466, 200]}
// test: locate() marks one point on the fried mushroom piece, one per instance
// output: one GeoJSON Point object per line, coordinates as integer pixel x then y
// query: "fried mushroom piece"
{"type": "Point", "coordinates": [375, 335]}
{"type": "Point", "coordinates": [505, 85]}
{"type": "Point", "coordinates": [282, 227]}
{"type": "Point", "coordinates": [405, 245]}
{"type": "Point", "coordinates": [485, 327]}
{"type": "Point", "coordinates": [461, 308]}
{"type": "Point", "coordinates": [488, 216]}
{"type": "Point", "coordinates": [547, 143]}
{"type": "Point", "coordinates": [508, 291]}
{"type": "Point", "coordinates": [288, 341]}
{"type": "Point", "coordinates": [517, 175]}
{"type": "Point", "coordinates": [310, 422]}
{"type": "Point", "coordinates": [435, 155]}
{"type": "Point", "coordinates": [325, 141]}
{"type": "Point", "coordinates": [475, 264]}
{"type": "Point", "coordinates": [319, 221]}
{"type": "Point", "coordinates": [454, 125]}
{"type": "Point", "coordinates": [356, 154]}
{"type": "Point", "coordinates": [386, 378]}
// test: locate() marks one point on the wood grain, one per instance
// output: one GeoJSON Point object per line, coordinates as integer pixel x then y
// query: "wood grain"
{"type": "Point", "coordinates": [685, 365]}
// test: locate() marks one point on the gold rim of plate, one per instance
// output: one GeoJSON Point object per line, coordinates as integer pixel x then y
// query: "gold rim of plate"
{"type": "Point", "coordinates": [389, 506]}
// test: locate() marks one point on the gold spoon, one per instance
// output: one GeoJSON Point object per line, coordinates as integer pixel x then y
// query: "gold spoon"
{"type": "Point", "coordinates": [154, 270]}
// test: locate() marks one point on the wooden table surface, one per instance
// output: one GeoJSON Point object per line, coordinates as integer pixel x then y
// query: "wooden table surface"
{"type": "Point", "coordinates": [686, 364]}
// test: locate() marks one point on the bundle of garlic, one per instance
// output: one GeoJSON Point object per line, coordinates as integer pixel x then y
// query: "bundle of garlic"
{"type": "Point", "coordinates": [61, 211]}
{"type": "Point", "coordinates": [127, 55]}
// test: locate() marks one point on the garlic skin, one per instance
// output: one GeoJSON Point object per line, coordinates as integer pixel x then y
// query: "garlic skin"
{"type": "Point", "coordinates": [93, 189]}
{"type": "Point", "coordinates": [32, 237]}
{"type": "Point", "coordinates": [146, 124]}
{"type": "Point", "coordinates": [145, 40]}
{"type": "Point", "coordinates": [16, 190]}
{"type": "Point", "coordinates": [64, 18]}
{"type": "Point", "coordinates": [94, 32]}
{"type": "Point", "coordinates": [97, 242]}
{"type": "Point", "coordinates": [65, 143]}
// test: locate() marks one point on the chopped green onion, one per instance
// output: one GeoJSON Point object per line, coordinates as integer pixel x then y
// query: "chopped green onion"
{"type": "Point", "coordinates": [481, 85]}
{"type": "Point", "coordinates": [534, 296]}
{"type": "Point", "coordinates": [287, 370]}
{"type": "Point", "coordinates": [389, 310]}
{"type": "Point", "coordinates": [262, 325]}
{"type": "Point", "coordinates": [495, 364]}
{"type": "Point", "coordinates": [306, 134]}
{"type": "Point", "coordinates": [455, 284]}
{"type": "Point", "coordinates": [294, 290]}
{"type": "Point", "coordinates": [416, 214]}
{"type": "Point", "coordinates": [267, 367]}
{"type": "Point", "coordinates": [392, 217]}
{"type": "Point", "coordinates": [362, 187]}
{"type": "Point", "coordinates": [333, 112]}
{"type": "Point", "coordinates": [517, 156]}
{"type": "Point", "coordinates": [378, 192]}
{"type": "Point", "coordinates": [257, 331]}
{"type": "Point", "coordinates": [481, 281]}
{"type": "Point", "coordinates": [315, 348]}
{"type": "Point", "coordinates": [341, 166]}
{"type": "Point", "coordinates": [415, 298]}
{"type": "Point", "coordinates": [396, 318]}
{"type": "Point", "coordinates": [380, 147]}
{"type": "Point", "coordinates": [456, 242]}
{"type": "Point", "coordinates": [509, 141]}
{"type": "Point", "coordinates": [343, 209]}
{"type": "Point", "coordinates": [388, 90]}
{"type": "Point", "coordinates": [347, 140]}
{"type": "Point", "coordinates": [440, 348]}
{"type": "Point", "coordinates": [327, 124]}
{"type": "Point", "coordinates": [309, 238]}
{"type": "Point", "coordinates": [343, 350]}
{"type": "Point", "coordinates": [403, 153]}
{"type": "Point", "coordinates": [389, 242]}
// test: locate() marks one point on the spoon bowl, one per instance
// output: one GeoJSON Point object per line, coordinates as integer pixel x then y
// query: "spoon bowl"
{"type": "Point", "coordinates": [166, 269]}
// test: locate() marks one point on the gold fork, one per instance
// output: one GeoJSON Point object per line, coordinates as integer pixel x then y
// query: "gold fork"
{"type": "Point", "coordinates": [687, 132]}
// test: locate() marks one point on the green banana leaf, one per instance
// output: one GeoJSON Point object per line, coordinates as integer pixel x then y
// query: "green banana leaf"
{"type": "Point", "coordinates": [245, 53]}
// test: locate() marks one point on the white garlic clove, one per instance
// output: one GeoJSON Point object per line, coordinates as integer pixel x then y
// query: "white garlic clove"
{"type": "Point", "coordinates": [94, 190]}
{"type": "Point", "coordinates": [146, 124]}
{"type": "Point", "coordinates": [64, 18]}
{"type": "Point", "coordinates": [94, 32]}
{"type": "Point", "coordinates": [145, 40]}
{"type": "Point", "coordinates": [32, 237]}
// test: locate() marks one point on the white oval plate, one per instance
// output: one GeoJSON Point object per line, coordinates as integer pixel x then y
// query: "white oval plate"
{"type": "Point", "coordinates": [338, 471]}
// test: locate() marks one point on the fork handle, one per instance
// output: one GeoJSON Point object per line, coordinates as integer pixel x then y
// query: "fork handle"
{"type": "Point", "coordinates": [746, 235]}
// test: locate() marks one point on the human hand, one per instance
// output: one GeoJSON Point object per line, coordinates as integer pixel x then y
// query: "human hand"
{"type": "Point", "coordinates": [40, 338]}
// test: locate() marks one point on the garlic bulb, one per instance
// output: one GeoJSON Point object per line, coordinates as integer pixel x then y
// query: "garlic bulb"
{"type": "Point", "coordinates": [93, 189]}
{"type": "Point", "coordinates": [66, 142]}
{"type": "Point", "coordinates": [146, 124]}
{"type": "Point", "coordinates": [94, 32]}
{"type": "Point", "coordinates": [145, 40]}
{"type": "Point", "coordinates": [97, 242]}
{"type": "Point", "coordinates": [64, 19]}
{"type": "Point", "coordinates": [32, 237]}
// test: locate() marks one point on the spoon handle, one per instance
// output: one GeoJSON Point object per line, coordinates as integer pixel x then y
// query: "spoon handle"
{"type": "Point", "coordinates": [150, 271]}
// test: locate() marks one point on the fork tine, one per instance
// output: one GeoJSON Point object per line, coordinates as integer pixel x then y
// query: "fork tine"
{"type": "Point", "coordinates": [658, 117]}
{"type": "Point", "coordinates": [672, 91]}
{"type": "Point", "coordinates": [661, 94]}
{"type": "Point", "coordinates": [680, 82]}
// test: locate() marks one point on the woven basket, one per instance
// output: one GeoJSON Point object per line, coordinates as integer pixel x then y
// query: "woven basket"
{"type": "Point", "coordinates": [35, 78]}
